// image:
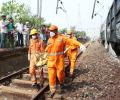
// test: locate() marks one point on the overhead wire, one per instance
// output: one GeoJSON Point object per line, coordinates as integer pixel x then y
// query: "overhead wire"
{"type": "Point", "coordinates": [61, 7]}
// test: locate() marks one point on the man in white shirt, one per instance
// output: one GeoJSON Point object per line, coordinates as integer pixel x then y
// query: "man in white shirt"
{"type": "Point", "coordinates": [26, 34]}
{"type": "Point", "coordinates": [3, 32]}
{"type": "Point", "coordinates": [20, 27]}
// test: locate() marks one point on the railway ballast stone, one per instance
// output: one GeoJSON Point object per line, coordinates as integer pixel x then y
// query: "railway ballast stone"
{"type": "Point", "coordinates": [97, 76]}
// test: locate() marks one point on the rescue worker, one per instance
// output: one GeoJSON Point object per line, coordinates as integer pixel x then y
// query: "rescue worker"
{"type": "Point", "coordinates": [55, 49]}
{"type": "Point", "coordinates": [36, 47]}
{"type": "Point", "coordinates": [72, 54]}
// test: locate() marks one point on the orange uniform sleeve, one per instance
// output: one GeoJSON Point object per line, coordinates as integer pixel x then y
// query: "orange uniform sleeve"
{"type": "Point", "coordinates": [71, 42]}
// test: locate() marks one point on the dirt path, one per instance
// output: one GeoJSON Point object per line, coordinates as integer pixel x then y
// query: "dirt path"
{"type": "Point", "coordinates": [97, 76]}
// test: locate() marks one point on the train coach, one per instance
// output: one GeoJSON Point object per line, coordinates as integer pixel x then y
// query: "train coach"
{"type": "Point", "coordinates": [110, 30]}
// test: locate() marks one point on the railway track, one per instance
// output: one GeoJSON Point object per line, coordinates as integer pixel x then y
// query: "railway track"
{"type": "Point", "coordinates": [17, 86]}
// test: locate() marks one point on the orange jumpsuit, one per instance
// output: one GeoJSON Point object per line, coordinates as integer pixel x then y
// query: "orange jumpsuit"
{"type": "Point", "coordinates": [72, 55]}
{"type": "Point", "coordinates": [36, 46]}
{"type": "Point", "coordinates": [55, 49]}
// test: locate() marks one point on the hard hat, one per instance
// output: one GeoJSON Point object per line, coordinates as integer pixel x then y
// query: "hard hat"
{"type": "Point", "coordinates": [53, 27]}
{"type": "Point", "coordinates": [69, 32]}
{"type": "Point", "coordinates": [33, 31]}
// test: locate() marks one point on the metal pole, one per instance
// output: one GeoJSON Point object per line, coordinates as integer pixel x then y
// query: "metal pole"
{"type": "Point", "coordinates": [40, 13]}
{"type": "Point", "coordinates": [93, 9]}
{"type": "Point", "coordinates": [38, 8]}
{"type": "Point", "coordinates": [57, 6]}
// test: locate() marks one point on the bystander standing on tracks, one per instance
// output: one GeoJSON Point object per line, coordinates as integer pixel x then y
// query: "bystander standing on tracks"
{"type": "Point", "coordinates": [11, 31]}
{"type": "Point", "coordinates": [20, 27]}
{"type": "Point", "coordinates": [43, 31]}
{"type": "Point", "coordinates": [26, 34]}
{"type": "Point", "coordinates": [47, 33]}
{"type": "Point", "coordinates": [3, 32]}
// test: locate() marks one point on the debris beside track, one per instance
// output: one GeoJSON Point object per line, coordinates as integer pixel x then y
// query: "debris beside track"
{"type": "Point", "coordinates": [97, 76]}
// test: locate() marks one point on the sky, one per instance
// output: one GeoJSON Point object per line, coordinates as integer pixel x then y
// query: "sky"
{"type": "Point", "coordinates": [78, 14]}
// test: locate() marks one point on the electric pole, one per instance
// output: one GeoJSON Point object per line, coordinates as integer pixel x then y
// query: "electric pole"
{"type": "Point", "coordinates": [93, 9]}
{"type": "Point", "coordinates": [40, 13]}
{"type": "Point", "coordinates": [38, 8]}
{"type": "Point", "coordinates": [57, 6]}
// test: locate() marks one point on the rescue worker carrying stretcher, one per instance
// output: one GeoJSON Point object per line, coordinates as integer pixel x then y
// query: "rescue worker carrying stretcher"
{"type": "Point", "coordinates": [72, 53]}
{"type": "Point", "coordinates": [55, 49]}
{"type": "Point", "coordinates": [36, 47]}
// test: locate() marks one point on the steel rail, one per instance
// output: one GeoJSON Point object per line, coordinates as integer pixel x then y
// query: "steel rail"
{"type": "Point", "coordinates": [15, 74]}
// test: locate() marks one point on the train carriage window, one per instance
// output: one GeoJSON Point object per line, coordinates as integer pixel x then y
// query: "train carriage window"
{"type": "Point", "coordinates": [112, 11]}
{"type": "Point", "coordinates": [108, 19]}
{"type": "Point", "coordinates": [118, 17]}
{"type": "Point", "coordinates": [118, 30]}
{"type": "Point", "coordinates": [118, 4]}
{"type": "Point", "coordinates": [113, 24]}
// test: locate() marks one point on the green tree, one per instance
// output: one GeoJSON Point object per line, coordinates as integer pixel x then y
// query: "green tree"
{"type": "Point", "coordinates": [63, 31]}
{"type": "Point", "coordinates": [80, 34]}
{"type": "Point", "coordinates": [36, 22]}
{"type": "Point", "coordinates": [17, 11]}
{"type": "Point", "coordinates": [12, 8]}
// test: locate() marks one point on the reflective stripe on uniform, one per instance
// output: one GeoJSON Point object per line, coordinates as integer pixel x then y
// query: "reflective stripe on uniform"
{"type": "Point", "coordinates": [55, 54]}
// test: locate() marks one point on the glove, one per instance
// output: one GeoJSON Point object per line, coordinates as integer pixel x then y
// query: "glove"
{"type": "Point", "coordinates": [82, 48]}
{"type": "Point", "coordinates": [28, 57]}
